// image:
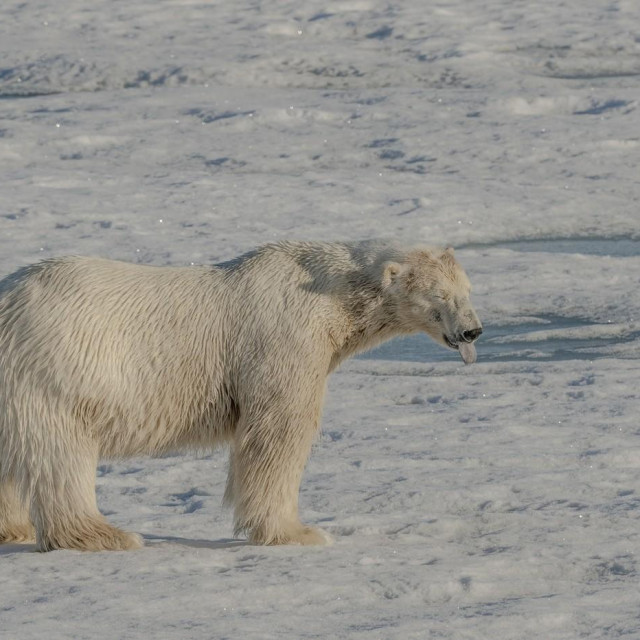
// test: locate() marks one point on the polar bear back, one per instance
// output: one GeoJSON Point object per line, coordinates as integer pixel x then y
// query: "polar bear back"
{"type": "Point", "coordinates": [146, 356]}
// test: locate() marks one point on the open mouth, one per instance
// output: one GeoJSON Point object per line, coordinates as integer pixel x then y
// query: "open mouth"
{"type": "Point", "coordinates": [450, 343]}
{"type": "Point", "coordinates": [467, 349]}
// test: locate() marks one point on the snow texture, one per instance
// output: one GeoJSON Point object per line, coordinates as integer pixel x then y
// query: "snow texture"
{"type": "Point", "coordinates": [499, 500]}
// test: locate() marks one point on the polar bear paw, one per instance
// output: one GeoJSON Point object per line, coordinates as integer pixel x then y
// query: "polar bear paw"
{"type": "Point", "coordinates": [17, 533]}
{"type": "Point", "coordinates": [295, 535]}
{"type": "Point", "coordinates": [92, 535]}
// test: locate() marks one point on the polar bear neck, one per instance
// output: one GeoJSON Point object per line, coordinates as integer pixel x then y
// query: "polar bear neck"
{"type": "Point", "coordinates": [347, 276]}
{"type": "Point", "coordinates": [370, 323]}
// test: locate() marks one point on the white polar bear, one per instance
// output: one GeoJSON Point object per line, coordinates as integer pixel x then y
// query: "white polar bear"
{"type": "Point", "coordinates": [108, 359]}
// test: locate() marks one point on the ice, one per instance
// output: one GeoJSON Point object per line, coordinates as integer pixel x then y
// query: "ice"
{"type": "Point", "coordinates": [493, 501]}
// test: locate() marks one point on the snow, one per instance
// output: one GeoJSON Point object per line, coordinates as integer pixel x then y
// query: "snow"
{"type": "Point", "coordinates": [498, 500]}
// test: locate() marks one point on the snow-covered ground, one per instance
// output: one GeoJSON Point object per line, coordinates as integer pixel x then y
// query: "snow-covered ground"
{"type": "Point", "coordinates": [500, 500]}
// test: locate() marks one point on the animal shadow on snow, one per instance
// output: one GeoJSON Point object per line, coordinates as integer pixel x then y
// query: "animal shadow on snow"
{"type": "Point", "coordinates": [17, 547]}
{"type": "Point", "coordinates": [149, 541]}
{"type": "Point", "coordinates": [225, 543]}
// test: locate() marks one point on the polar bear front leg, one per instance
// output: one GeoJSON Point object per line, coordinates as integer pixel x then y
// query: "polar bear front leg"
{"type": "Point", "coordinates": [269, 453]}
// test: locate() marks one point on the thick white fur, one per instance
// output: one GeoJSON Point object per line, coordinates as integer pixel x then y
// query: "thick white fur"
{"type": "Point", "coordinates": [107, 359]}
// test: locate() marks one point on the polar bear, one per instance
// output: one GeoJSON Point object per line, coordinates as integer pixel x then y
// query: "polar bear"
{"type": "Point", "coordinates": [104, 359]}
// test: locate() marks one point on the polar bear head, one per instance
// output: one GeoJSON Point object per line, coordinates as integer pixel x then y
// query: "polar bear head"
{"type": "Point", "coordinates": [430, 292]}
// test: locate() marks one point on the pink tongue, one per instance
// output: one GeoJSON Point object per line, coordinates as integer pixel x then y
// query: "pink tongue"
{"type": "Point", "coordinates": [468, 352]}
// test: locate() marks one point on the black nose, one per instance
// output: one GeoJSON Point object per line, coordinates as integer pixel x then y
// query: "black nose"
{"type": "Point", "coordinates": [471, 334]}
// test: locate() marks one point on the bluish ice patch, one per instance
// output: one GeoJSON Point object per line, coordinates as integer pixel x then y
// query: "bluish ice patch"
{"type": "Point", "coordinates": [381, 33]}
{"type": "Point", "coordinates": [599, 108]}
{"type": "Point", "coordinates": [502, 343]}
{"type": "Point", "coordinates": [615, 247]}
{"type": "Point", "coordinates": [320, 16]}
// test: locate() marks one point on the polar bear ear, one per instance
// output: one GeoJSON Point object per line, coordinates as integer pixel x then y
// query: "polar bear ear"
{"type": "Point", "coordinates": [449, 250]}
{"type": "Point", "coordinates": [391, 272]}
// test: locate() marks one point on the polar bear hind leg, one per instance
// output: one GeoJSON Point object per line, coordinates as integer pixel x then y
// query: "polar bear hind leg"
{"type": "Point", "coordinates": [63, 500]}
{"type": "Point", "coordinates": [15, 525]}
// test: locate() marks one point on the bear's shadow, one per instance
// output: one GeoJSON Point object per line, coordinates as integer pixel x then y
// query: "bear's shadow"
{"type": "Point", "coordinates": [17, 547]}
{"type": "Point", "coordinates": [149, 541]}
